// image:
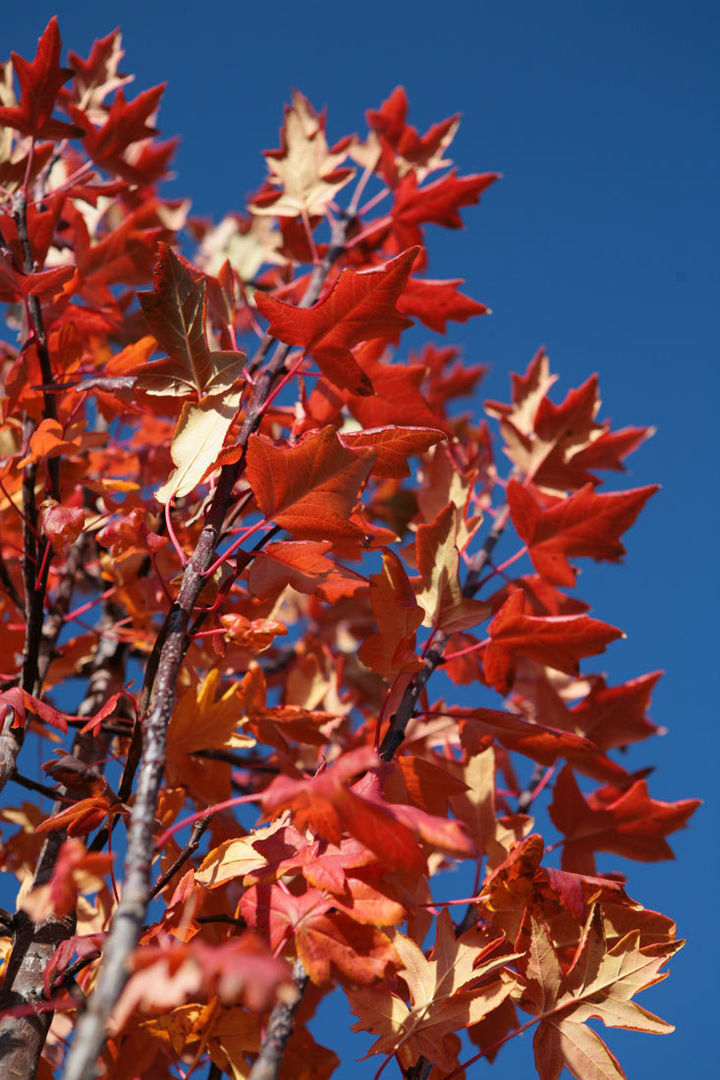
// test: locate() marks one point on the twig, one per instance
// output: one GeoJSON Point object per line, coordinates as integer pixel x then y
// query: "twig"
{"type": "Point", "coordinates": [278, 1031]}
{"type": "Point", "coordinates": [41, 789]}
{"type": "Point", "coordinates": [187, 852]}
{"type": "Point", "coordinates": [159, 691]}
{"type": "Point", "coordinates": [408, 703]}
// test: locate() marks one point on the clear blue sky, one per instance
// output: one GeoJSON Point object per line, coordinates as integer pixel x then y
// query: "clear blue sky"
{"type": "Point", "coordinates": [601, 242]}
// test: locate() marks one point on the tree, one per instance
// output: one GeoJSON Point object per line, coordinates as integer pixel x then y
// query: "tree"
{"type": "Point", "coordinates": [258, 533]}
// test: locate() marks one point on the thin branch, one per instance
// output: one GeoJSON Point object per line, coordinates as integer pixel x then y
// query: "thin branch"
{"type": "Point", "coordinates": [198, 830]}
{"type": "Point", "coordinates": [278, 1031]}
{"type": "Point", "coordinates": [433, 658]}
{"type": "Point", "coordinates": [161, 681]}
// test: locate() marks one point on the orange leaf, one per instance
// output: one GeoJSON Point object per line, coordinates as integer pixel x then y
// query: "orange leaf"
{"type": "Point", "coordinates": [391, 650]}
{"type": "Point", "coordinates": [309, 489]}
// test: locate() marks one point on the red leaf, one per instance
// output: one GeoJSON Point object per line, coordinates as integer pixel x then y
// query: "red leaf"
{"type": "Point", "coordinates": [61, 524]}
{"type": "Point", "coordinates": [127, 123]}
{"type": "Point", "coordinates": [582, 524]}
{"type": "Point", "coordinates": [40, 81]}
{"type": "Point", "coordinates": [437, 203]}
{"type": "Point", "coordinates": [628, 823]}
{"type": "Point", "coordinates": [436, 302]}
{"type": "Point", "coordinates": [359, 307]}
{"type": "Point", "coordinates": [393, 446]}
{"type": "Point", "coordinates": [558, 641]}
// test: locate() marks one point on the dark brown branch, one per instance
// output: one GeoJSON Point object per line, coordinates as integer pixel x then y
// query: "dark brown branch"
{"type": "Point", "coordinates": [159, 698]}
{"type": "Point", "coordinates": [408, 703]}
{"type": "Point", "coordinates": [198, 831]}
{"type": "Point", "coordinates": [41, 789]}
{"type": "Point", "coordinates": [8, 586]}
{"type": "Point", "coordinates": [278, 1031]}
{"type": "Point", "coordinates": [406, 710]}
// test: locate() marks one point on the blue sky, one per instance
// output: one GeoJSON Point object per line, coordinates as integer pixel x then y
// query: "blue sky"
{"type": "Point", "coordinates": [600, 242]}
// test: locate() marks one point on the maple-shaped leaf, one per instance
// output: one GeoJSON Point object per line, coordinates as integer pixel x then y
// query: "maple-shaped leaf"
{"type": "Point", "coordinates": [391, 650]}
{"type": "Point", "coordinates": [617, 715]}
{"type": "Point", "coordinates": [558, 641]}
{"type": "Point", "coordinates": [305, 170]}
{"type": "Point", "coordinates": [393, 446]}
{"type": "Point", "coordinates": [628, 823]}
{"type": "Point", "coordinates": [40, 81]}
{"type": "Point", "coordinates": [456, 987]}
{"type": "Point", "coordinates": [399, 147]}
{"type": "Point", "coordinates": [555, 445]}
{"type": "Point", "coordinates": [585, 523]}
{"type": "Point", "coordinates": [438, 562]}
{"type": "Point", "coordinates": [528, 391]}
{"type": "Point", "coordinates": [309, 489]}
{"type": "Point", "coordinates": [612, 716]}
{"type": "Point", "coordinates": [328, 806]}
{"type": "Point", "coordinates": [175, 313]}
{"type": "Point", "coordinates": [600, 983]}
{"type": "Point", "coordinates": [361, 306]}
{"type": "Point", "coordinates": [127, 122]}
{"type": "Point", "coordinates": [203, 721]}
{"type": "Point", "coordinates": [435, 303]}
{"type": "Point", "coordinates": [437, 203]}
{"type": "Point", "coordinates": [327, 941]}
{"type": "Point", "coordinates": [98, 76]}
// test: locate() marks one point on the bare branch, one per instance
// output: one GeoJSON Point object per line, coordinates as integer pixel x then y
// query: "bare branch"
{"type": "Point", "coordinates": [279, 1030]}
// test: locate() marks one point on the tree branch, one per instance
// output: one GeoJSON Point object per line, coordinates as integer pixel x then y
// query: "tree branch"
{"type": "Point", "coordinates": [408, 703]}
{"type": "Point", "coordinates": [278, 1031]}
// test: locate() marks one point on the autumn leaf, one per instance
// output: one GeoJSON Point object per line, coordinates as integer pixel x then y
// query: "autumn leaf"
{"type": "Point", "coordinates": [40, 81]}
{"type": "Point", "coordinates": [628, 823]}
{"type": "Point", "coordinates": [450, 991]}
{"type": "Point", "coordinates": [583, 524]}
{"type": "Point", "coordinates": [76, 871]}
{"type": "Point", "coordinates": [438, 562]}
{"type": "Point", "coordinates": [435, 303]}
{"type": "Point", "coordinates": [556, 445]}
{"type": "Point", "coordinates": [359, 307]}
{"type": "Point", "coordinates": [304, 168]}
{"type": "Point", "coordinates": [61, 524]}
{"type": "Point", "coordinates": [438, 203]}
{"type": "Point", "coordinates": [197, 442]}
{"type": "Point", "coordinates": [600, 983]}
{"type": "Point", "coordinates": [175, 314]}
{"type": "Point", "coordinates": [203, 721]}
{"type": "Point", "coordinates": [391, 650]}
{"type": "Point", "coordinates": [309, 489]}
{"type": "Point", "coordinates": [393, 446]}
{"type": "Point", "coordinates": [558, 641]}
